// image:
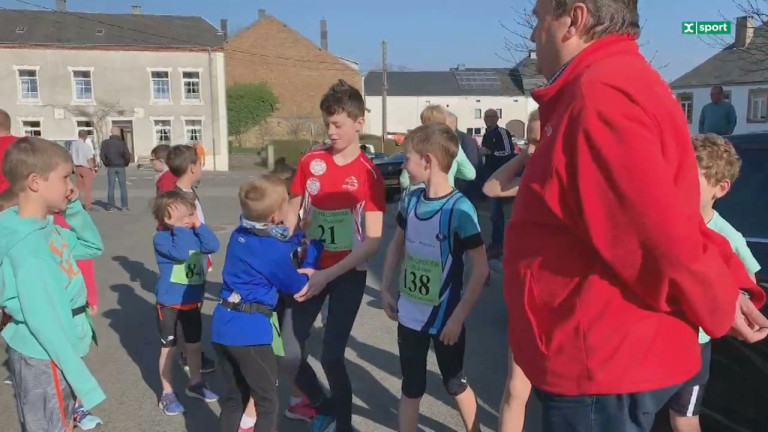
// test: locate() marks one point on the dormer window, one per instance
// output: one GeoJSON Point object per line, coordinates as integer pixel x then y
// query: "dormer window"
{"type": "Point", "coordinates": [100, 31]}
{"type": "Point", "coordinates": [21, 29]}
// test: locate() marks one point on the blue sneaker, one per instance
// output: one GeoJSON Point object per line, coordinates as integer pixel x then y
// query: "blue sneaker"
{"type": "Point", "coordinates": [323, 423]}
{"type": "Point", "coordinates": [201, 391]}
{"type": "Point", "coordinates": [170, 405]}
{"type": "Point", "coordinates": [84, 419]}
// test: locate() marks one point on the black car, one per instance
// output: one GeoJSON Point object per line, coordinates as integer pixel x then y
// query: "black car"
{"type": "Point", "coordinates": [390, 168]}
{"type": "Point", "coordinates": [736, 398]}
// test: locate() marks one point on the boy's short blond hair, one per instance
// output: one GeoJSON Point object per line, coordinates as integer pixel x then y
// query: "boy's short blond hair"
{"type": "Point", "coordinates": [8, 199]}
{"type": "Point", "coordinates": [435, 139]}
{"type": "Point", "coordinates": [262, 197]}
{"type": "Point", "coordinates": [161, 205]}
{"type": "Point", "coordinates": [32, 155]}
{"type": "Point", "coordinates": [717, 158]}
{"type": "Point", "coordinates": [434, 114]}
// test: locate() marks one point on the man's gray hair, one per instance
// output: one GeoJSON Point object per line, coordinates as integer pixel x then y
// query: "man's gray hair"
{"type": "Point", "coordinates": [605, 16]}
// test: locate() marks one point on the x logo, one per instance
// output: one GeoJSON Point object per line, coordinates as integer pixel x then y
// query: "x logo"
{"type": "Point", "coordinates": [689, 28]}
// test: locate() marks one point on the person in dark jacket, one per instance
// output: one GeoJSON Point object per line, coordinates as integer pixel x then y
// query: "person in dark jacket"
{"type": "Point", "coordinates": [498, 149]}
{"type": "Point", "coordinates": [115, 156]}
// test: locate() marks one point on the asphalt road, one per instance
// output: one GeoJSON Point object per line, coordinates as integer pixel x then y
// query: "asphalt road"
{"type": "Point", "coordinates": [125, 363]}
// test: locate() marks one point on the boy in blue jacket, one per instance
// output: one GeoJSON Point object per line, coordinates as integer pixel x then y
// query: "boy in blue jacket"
{"type": "Point", "coordinates": [181, 248]}
{"type": "Point", "coordinates": [42, 289]}
{"type": "Point", "coordinates": [258, 267]}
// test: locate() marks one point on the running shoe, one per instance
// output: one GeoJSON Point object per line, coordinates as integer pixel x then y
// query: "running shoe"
{"type": "Point", "coordinates": [201, 391]}
{"type": "Point", "coordinates": [84, 419]}
{"type": "Point", "coordinates": [323, 423]}
{"type": "Point", "coordinates": [207, 365]}
{"type": "Point", "coordinates": [8, 380]}
{"type": "Point", "coordinates": [170, 405]}
{"type": "Point", "coordinates": [303, 411]}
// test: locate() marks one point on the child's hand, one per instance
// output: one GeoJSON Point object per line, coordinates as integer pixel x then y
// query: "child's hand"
{"type": "Point", "coordinates": [452, 330]}
{"type": "Point", "coordinates": [390, 305]}
{"type": "Point", "coordinates": [302, 295]}
{"type": "Point", "coordinates": [196, 222]}
{"type": "Point", "coordinates": [307, 271]}
{"type": "Point", "coordinates": [176, 215]}
{"type": "Point", "coordinates": [94, 310]}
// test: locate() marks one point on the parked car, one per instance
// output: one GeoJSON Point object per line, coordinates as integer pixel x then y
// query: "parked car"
{"type": "Point", "coordinates": [390, 169]}
{"type": "Point", "coordinates": [735, 398]}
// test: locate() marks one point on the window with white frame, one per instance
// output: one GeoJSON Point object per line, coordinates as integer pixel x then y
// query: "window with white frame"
{"type": "Point", "coordinates": [28, 85]}
{"type": "Point", "coordinates": [82, 82]}
{"type": "Point", "coordinates": [474, 131]}
{"type": "Point", "coordinates": [478, 114]}
{"type": "Point", "coordinates": [686, 103]}
{"type": "Point", "coordinates": [193, 131]}
{"type": "Point", "coordinates": [162, 131]}
{"type": "Point", "coordinates": [32, 128]}
{"type": "Point", "coordinates": [191, 83]}
{"type": "Point", "coordinates": [498, 110]}
{"type": "Point", "coordinates": [758, 106]}
{"type": "Point", "coordinates": [161, 86]}
{"type": "Point", "coordinates": [85, 125]}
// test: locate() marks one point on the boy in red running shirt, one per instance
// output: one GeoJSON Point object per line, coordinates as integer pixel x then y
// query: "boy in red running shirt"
{"type": "Point", "coordinates": [341, 192]}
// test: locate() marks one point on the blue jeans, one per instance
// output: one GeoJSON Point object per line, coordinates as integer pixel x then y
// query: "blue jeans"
{"type": "Point", "coordinates": [497, 224]}
{"type": "Point", "coordinates": [633, 412]}
{"type": "Point", "coordinates": [116, 173]}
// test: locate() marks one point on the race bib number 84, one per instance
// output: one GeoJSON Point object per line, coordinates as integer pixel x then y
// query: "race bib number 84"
{"type": "Point", "coordinates": [191, 272]}
{"type": "Point", "coordinates": [333, 227]}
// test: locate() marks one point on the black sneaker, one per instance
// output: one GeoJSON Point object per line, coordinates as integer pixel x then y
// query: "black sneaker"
{"type": "Point", "coordinates": [207, 365]}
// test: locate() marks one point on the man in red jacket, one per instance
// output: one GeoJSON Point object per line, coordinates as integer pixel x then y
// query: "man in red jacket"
{"type": "Point", "coordinates": [609, 267]}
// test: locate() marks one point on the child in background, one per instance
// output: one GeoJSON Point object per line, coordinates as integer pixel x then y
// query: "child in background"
{"type": "Point", "coordinates": [504, 183]}
{"type": "Point", "coordinates": [165, 180]}
{"type": "Point", "coordinates": [47, 339]}
{"type": "Point", "coordinates": [257, 269]}
{"type": "Point", "coordinates": [180, 248]}
{"type": "Point", "coordinates": [437, 226]}
{"type": "Point", "coordinates": [184, 167]}
{"type": "Point", "coordinates": [719, 167]}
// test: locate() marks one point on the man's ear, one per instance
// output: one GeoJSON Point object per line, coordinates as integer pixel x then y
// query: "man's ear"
{"type": "Point", "coordinates": [722, 189]}
{"type": "Point", "coordinates": [579, 16]}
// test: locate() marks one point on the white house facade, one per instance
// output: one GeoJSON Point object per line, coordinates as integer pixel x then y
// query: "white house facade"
{"type": "Point", "coordinates": [161, 82]}
{"type": "Point", "coordinates": [740, 70]}
{"type": "Point", "coordinates": [466, 92]}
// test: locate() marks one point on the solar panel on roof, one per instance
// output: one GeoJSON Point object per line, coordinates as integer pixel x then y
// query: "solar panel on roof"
{"type": "Point", "coordinates": [477, 80]}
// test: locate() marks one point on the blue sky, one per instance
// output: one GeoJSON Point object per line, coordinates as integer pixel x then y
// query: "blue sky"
{"type": "Point", "coordinates": [428, 34]}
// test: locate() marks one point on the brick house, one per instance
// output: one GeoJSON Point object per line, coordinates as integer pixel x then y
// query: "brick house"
{"type": "Point", "coordinates": [297, 70]}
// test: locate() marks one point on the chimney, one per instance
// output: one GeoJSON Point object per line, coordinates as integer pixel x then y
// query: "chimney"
{"type": "Point", "coordinates": [61, 5]}
{"type": "Point", "coordinates": [745, 30]}
{"type": "Point", "coordinates": [323, 34]}
{"type": "Point", "coordinates": [532, 53]}
{"type": "Point", "coordinates": [262, 13]}
{"type": "Point", "coordinates": [136, 9]}
{"type": "Point", "coordinates": [224, 27]}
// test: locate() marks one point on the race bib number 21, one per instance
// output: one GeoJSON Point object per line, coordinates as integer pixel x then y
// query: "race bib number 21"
{"type": "Point", "coordinates": [333, 227]}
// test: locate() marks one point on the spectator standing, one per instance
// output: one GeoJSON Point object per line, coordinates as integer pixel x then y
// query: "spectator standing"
{"type": "Point", "coordinates": [498, 149]}
{"type": "Point", "coordinates": [719, 116]}
{"type": "Point", "coordinates": [84, 159]}
{"type": "Point", "coordinates": [116, 156]}
{"type": "Point", "coordinates": [6, 139]}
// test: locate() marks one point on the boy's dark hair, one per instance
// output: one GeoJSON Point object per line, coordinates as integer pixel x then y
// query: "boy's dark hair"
{"type": "Point", "coordinates": [179, 158]}
{"type": "Point", "coordinates": [435, 139]}
{"type": "Point", "coordinates": [160, 152]}
{"type": "Point", "coordinates": [162, 204]}
{"type": "Point", "coordinates": [82, 134]}
{"type": "Point", "coordinates": [32, 155]}
{"type": "Point", "coordinates": [8, 199]}
{"type": "Point", "coordinates": [343, 98]}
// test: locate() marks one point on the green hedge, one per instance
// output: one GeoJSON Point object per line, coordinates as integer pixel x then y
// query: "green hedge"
{"type": "Point", "coordinates": [293, 149]}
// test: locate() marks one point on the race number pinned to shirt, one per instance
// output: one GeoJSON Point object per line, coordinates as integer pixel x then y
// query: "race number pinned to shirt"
{"type": "Point", "coordinates": [422, 280]}
{"type": "Point", "coordinates": [333, 227]}
{"type": "Point", "coordinates": [192, 271]}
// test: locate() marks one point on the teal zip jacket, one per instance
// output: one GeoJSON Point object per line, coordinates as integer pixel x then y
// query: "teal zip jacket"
{"type": "Point", "coordinates": [40, 284]}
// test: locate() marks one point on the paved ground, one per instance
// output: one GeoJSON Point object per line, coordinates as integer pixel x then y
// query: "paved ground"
{"type": "Point", "coordinates": [125, 363]}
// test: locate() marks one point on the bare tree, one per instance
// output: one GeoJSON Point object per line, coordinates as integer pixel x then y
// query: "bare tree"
{"type": "Point", "coordinates": [517, 41]}
{"type": "Point", "coordinates": [754, 55]}
{"type": "Point", "coordinates": [98, 115]}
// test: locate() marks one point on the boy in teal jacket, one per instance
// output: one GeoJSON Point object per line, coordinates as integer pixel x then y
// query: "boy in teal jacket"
{"type": "Point", "coordinates": [42, 289]}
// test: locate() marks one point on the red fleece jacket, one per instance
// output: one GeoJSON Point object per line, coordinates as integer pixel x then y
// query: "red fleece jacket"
{"type": "Point", "coordinates": [609, 266]}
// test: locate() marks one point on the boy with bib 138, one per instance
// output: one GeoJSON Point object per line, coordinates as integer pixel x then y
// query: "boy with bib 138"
{"type": "Point", "coordinates": [437, 225]}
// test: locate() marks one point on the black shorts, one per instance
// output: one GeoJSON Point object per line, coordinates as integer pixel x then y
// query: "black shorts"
{"type": "Point", "coordinates": [687, 401]}
{"type": "Point", "coordinates": [191, 322]}
{"type": "Point", "coordinates": [414, 346]}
